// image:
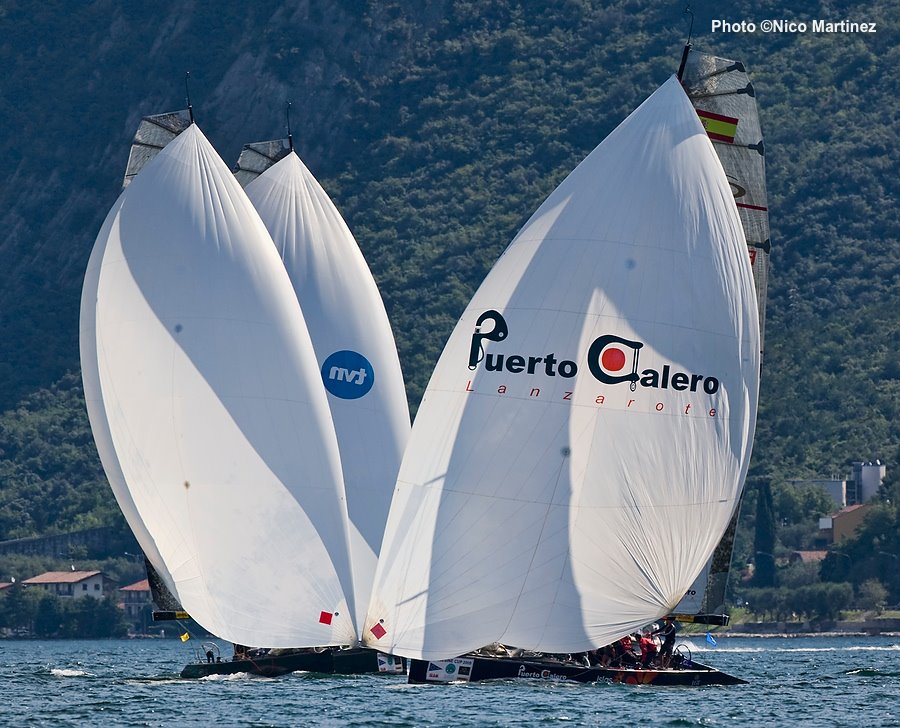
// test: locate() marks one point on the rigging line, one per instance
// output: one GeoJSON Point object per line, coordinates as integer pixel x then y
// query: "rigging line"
{"type": "Point", "coordinates": [736, 66]}
{"type": "Point", "coordinates": [687, 45]}
{"type": "Point", "coordinates": [746, 90]}
{"type": "Point", "coordinates": [187, 91]}
{"type": "Point", "coordinates": [689, 11]}
{"type": "Point", "coordinates": [290, 136]}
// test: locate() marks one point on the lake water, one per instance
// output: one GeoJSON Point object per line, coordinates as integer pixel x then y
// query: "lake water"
{"type": "Point", "coordinates": [846, 681]}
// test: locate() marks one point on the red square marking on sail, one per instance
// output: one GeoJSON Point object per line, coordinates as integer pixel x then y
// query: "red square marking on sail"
{"type": "Point", "coordinates": [378, 631]}
{"type": "Point", "coordinates": [325, 617]}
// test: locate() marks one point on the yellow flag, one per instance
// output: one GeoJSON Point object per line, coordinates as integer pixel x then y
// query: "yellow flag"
{"type": "Point", "coordinates": [185, 637]}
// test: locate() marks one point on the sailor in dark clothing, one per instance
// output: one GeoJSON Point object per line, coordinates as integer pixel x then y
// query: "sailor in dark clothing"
{"type": "Point", "coordinates": [667, 632]}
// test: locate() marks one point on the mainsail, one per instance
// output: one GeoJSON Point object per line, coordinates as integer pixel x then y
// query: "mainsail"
{"type": "Point", "coordinates": [721, 91]}
{"type": "Point", "coordinates": [583, 441]}
{"type": "Point", "coordinates": [201, 378]}
{"type": "Point", "coordinates": [351, 336]}
{"type": "Point", "coordinates": [153, 134]}
{"type": "Point", "coordinates": [725, 100]}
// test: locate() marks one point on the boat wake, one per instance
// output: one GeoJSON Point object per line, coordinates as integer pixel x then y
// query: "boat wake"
{"type": "Point", "coordinates": [234, 677]}
{"type": "Point", "coordinates": [868, 672]}
{"type": "Point", "coordinates": [67, 672]}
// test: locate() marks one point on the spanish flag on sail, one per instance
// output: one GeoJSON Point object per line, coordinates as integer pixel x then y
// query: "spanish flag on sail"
{"type": "Point", "coordinates": [719, 128]}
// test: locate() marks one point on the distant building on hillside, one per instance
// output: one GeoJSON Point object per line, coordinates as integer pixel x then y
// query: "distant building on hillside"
{"type": "Point", "coordinates": [807, 557]}
{"type": "Point", "coordinates": [864, 481]}
{"type": "Point", "coordinates": [838, 526]}
{"type": "Point", "coordinates": [860, 486]}
{"type": "Point", "coordinates": [137, 603]}
{"type": "Point", "coordinates": [73, 584]}
{"type": "Point", "coordinates": [837, 489]}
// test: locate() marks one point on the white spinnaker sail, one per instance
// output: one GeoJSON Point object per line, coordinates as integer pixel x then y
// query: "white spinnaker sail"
{"type": "Point", "coordinates": [153, 134]}
{"type": "Point", "coordinates": [539, 505]}
{"type": "Point", "coordinates": [210, 393]}
{"type": "Point", "coordinates": [354, 346]}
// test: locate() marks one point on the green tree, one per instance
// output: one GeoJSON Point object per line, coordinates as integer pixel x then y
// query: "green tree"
{"type": "Point", "coordinates": [764, 541]}
{"type": "Point", "coordinates": [822, 601]}
{"type": "Point", "coordinates": [873, 552]}
{"type": "Point", "coordinates": [19, 607]}
{"type": "Point", "coordinates": [796, 504]}
{"type": "Point", "coordinates": [48, 621]}
{"type": "Point", "coordinates": [94, 618]}
{"type": "Point", "coordinates": [872, 595]}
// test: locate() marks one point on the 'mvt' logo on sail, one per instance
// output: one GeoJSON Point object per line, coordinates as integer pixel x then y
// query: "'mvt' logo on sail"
{"type": "Point", "coordinates": [342, 374]}
{"type": "Point", "coordinates": [348, 374]}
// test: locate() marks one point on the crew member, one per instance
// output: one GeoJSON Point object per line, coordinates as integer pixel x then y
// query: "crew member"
{"type": "Point", "coordinates": [667, 633]}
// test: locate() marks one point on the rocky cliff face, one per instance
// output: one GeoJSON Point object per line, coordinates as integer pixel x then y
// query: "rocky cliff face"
{"type": "Point", "coordinates": [438, 128]}
{"type": "Point", "coordinates": [78, 78]}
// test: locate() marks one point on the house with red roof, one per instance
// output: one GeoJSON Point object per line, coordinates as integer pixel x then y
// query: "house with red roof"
{"type": "Point", "coordinates": [137, 603]}
{"type": "Point", "coordinates": [73, 584]}
{"type": "Point", "coordinates": [841, 525]}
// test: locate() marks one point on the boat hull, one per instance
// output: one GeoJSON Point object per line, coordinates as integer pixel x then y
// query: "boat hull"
{"type": "Point", "coordinates": [475, 669]}
{"type": "Point", "coordinates": [329, 661]}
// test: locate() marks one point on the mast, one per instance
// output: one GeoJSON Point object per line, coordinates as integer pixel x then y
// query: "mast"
{"type": "Point", "coordinates": [687, 45]}
{"type": "Point", "coordinates": [187, 93]}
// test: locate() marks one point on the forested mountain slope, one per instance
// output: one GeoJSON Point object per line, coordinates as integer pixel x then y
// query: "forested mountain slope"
{"type": "Point", "coordinates": [438, 128]}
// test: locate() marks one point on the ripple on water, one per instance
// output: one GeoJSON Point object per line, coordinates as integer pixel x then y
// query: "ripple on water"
{"type": "Point", "coordinates": [810, 682]}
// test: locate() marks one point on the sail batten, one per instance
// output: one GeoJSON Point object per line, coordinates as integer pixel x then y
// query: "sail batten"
{"type": "Point", "coordinates": [585, 435]}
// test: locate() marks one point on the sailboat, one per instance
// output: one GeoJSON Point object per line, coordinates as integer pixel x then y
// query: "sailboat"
{"type": "Point", "coordinates": [357, 359]}
{"type": "Point", "coordinates": [582, 444]}
{"type": "Point", "coordinates": [207, 405]}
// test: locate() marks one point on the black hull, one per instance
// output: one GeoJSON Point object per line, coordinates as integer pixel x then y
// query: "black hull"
{"type": "Point", "coordinates": [330, 661]}
{"type": "Point", "coordinates": [475, 669]}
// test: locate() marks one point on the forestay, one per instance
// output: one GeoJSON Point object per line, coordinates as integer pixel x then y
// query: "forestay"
{"type": "Point", "coordinates": [354, 347]}
{"type": "Point", "coordinates": [202, 373]}
{"type": "Point", "coordinates": [584, 438]}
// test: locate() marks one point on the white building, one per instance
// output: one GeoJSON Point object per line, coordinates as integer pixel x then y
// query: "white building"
{"type": "Point", "coordinates": [74, 584]}
{"type": "Point", "coordinates": [864, 481]}
{"type": "Point", "coordinates": [837, 489]}
{"type": "Point", "coordinates": [861, 485]}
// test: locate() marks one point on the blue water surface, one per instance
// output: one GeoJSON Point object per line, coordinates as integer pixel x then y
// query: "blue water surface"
{"type": "Point", "coordinates": [811, 681]}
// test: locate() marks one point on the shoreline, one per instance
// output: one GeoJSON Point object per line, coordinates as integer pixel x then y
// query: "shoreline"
{"type": "Point", "coordinates": [787, 635]}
